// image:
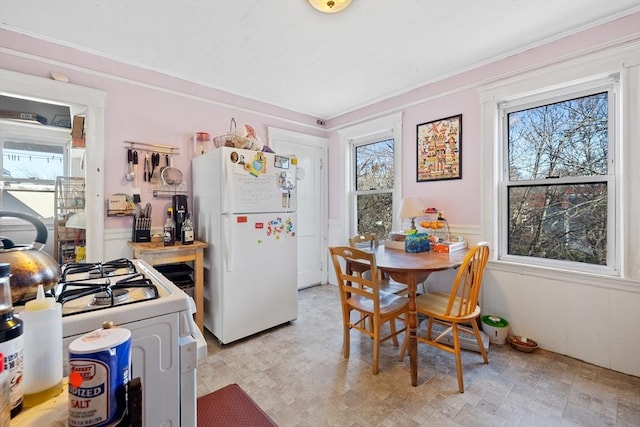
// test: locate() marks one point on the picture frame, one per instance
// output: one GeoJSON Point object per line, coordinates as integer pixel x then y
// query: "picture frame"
{"type": "Point", "coordinates": [281, 162]}
{"type": "Point", "coordinates": [439, 149]}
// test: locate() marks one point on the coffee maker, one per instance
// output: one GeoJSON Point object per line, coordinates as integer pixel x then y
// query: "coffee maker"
{"type": "Point", "coordinates": [179, 212]}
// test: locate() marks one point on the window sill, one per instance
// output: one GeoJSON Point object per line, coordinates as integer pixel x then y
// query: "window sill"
{"type": "Point", "coordinates": [567, 276]}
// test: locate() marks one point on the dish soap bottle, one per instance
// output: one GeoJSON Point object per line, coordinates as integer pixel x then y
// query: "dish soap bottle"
{"type": "Point", "coordinates": [11, 341]}
{"type": "Point", "coordinates": [42, 319]}
{"type": "Point", "coordinates": [169, 229]}
{"type": "Point", "coordinates": [187, 237]}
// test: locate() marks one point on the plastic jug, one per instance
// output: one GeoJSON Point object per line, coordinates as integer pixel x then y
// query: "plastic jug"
{"type": "Point", "coordinates": [42, 320]}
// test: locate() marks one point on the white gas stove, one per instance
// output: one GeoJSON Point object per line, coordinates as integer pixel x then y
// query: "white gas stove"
{"type": "Point", "coordinates": [166, 344]}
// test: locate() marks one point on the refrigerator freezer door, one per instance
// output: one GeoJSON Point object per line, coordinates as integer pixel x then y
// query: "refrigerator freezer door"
{"type": "Point", "coordinates": [259, 288]}
{"type": "Point", "coordinates": [256, 182]}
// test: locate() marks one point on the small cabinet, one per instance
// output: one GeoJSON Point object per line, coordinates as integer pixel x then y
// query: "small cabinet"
{"type": "Point", "coordinates": [70, 221]}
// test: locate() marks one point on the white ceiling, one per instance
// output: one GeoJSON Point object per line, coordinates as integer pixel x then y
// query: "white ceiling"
{"type": "Point", "coordinates": [286, 53]}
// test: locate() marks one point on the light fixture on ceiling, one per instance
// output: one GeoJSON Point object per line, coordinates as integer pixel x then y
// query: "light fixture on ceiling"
{"type": "Point", "coordinates": [330, 6]}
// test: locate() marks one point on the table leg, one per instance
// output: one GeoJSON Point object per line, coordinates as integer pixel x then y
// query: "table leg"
{"type": "Point", "coordinates": [413, 328]}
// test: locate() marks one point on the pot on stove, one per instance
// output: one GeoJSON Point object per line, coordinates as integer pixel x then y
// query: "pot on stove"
{"type": "Point", "coordinates": [30, 266]}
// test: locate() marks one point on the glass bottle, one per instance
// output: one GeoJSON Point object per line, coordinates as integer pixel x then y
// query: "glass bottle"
{"type": "Point", "coordinates": [187, 236]}
{"type": "Point", "coordinates": [5, 393]}
{"type": "Point", "coordinates": [169, 229]}
{"type": "Point", "coordinates": [11, 340]}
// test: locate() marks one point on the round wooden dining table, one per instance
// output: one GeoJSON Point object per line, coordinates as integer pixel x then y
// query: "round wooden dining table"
{"type": "Point", "coordinates": [413, 269]}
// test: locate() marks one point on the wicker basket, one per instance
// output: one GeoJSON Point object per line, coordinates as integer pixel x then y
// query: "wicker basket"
{"type": "Point", "coordinates": [232, 139]}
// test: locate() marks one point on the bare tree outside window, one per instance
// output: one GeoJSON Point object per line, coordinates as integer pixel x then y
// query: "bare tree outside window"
{"type": "Point", "coordinates": [557, 187]}
{"type": "Point", "coordinates": [374, 170]}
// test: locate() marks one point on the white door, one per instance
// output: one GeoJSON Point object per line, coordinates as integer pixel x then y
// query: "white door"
{"type": "Point", "coordinates": [311, 188]}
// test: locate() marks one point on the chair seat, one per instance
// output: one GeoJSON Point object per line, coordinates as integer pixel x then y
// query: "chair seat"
{"type": "Point", "coordinates": [435, 304]}
{"type": "Point", "coordinates": [392, 287]}
{"type": "Point", "coordinates": [457, 310]}
{"type": "Point", "coordinates": [360, 292]}
{"type": "Point", "coordinates": [389, 303]}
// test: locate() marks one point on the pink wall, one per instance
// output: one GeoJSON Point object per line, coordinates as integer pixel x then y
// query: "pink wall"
{"type": "Point", "coordinates": [152, 107]}
{"type": "Point", "coordinates": [145, 106]}
{"type": "Point", "coordinates": [460, 199]}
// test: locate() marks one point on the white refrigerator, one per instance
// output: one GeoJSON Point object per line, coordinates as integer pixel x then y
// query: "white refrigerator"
{"type": "Point", "coordinates": [244, 207]}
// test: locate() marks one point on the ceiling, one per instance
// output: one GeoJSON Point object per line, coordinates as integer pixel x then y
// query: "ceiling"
{"type": "Point", "coordinates": [287, 53]}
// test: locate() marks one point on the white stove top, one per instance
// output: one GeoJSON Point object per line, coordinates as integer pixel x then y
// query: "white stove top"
{"type": "Point", "coordinates": [83, 315]}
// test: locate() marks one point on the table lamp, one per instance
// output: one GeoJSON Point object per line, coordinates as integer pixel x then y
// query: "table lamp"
{"type": "Point", "coordinates": [412, 207]}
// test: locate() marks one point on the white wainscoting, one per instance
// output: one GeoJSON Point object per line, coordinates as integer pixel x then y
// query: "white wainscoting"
{"type": "Point", "coordinates": [115, 243]}
{"type": "Point", "coordinates": [596, 324]}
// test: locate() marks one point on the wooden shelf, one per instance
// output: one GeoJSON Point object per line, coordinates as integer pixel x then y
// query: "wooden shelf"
{"type": "Point", "coordinates": [156, 254]}
{"type": "Point", "coordinates": [69, 200]}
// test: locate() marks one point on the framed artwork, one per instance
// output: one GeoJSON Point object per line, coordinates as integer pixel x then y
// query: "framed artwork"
{"type": "Point", "coordinates": [439, 149]}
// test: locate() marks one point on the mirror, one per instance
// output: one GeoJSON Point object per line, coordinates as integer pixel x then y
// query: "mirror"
{"type": "Point", "coordinates": [80, 101]}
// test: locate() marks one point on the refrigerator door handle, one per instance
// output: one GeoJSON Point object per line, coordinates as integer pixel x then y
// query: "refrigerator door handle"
{"type": "Point", "coordinates": [226, 184]}
{"type": "Point", "coordinates": [227, 239]}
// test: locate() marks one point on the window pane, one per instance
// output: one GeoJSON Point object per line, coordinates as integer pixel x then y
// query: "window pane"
{"type": "Point", "coordinates": [563, 222]}
{"type": "Point", "coordinates": [374, 166]}
{"type": "Point", "coordinates": [35, 203]}
{"type": "Point", "coordinates": [375, 213]}
{"type": "Point", "coordinates": [32, 161]}
{"type": "Point", "coordinates": [568, 138]}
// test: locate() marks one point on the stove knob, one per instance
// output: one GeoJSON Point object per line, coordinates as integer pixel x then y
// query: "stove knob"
{"type": "Point", "coordinates": [107, 324]}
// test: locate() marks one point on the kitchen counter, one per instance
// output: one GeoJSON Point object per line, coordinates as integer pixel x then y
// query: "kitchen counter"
{"type": "Point", "coordinates": [157, 253]}
{"type": "Point", "coordinates": [53, 412]}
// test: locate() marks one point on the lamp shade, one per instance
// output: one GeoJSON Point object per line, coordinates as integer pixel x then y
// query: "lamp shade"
{"type": "Point", "coordinates": [330, 6]}
{"type": "Point", "coordinates": [411, 207]}
{"type": "Point", "coordinates": [77, 220]}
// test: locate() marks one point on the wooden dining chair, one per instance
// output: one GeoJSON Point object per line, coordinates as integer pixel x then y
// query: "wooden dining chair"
{"type": "Point", "coordinates": [370, 241]}
{"type": "Point", "coordinates": [458, 310]}
{"type": "Point", "coordinates": [362, 295]}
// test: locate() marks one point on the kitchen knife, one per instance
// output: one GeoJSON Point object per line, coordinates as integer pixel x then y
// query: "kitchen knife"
{"type": "Point", "coordinates": [146, 176]}
{"type": "Point", "coordinates": [135, 190]}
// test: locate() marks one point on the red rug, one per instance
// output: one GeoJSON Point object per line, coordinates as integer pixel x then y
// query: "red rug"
{"type": "Point", "coordinates": [231, 406]}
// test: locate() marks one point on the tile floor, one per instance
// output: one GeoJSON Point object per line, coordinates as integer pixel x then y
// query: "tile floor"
{"type": "Point", "coordinates": [297, 374]}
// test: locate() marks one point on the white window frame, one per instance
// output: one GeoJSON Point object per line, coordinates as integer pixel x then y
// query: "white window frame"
{"type": "Point", "coordinates": [583, 71]}
{"type": "Point", "coordinates": [355, 192]}
{"type": "Point", "coordinates": [609, 85]}
{"type": "Point", "coordinates": [43, 135]}
{"type": "Point", "coordinates": [81, 100]}
{"type": "Point", "coordinates": [380, 129]}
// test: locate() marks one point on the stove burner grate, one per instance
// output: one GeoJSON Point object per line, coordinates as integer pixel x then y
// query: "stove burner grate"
{"type": "Point", "coordinates": [120, 266]}
{"type": "Point", "coordinates": [108, 284]}
{"type": "Point", "coordinates": [110, 297]}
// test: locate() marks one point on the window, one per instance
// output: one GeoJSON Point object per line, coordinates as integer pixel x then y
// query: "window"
{"type": "Point", "coordinates": [371, 176]}
{"type": "Point", "coordinates": [81, 101]}
{"type": "Point", "coordinates": [32, 158]}
{"type": "Point", "coordinates": [34, 148]}
{"type": "Point", "coordinates": [575, 204]}
{"type": "Point", "coordinates": [558, 177]}
{"type": "Point", "coordinates": [373, 192]}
